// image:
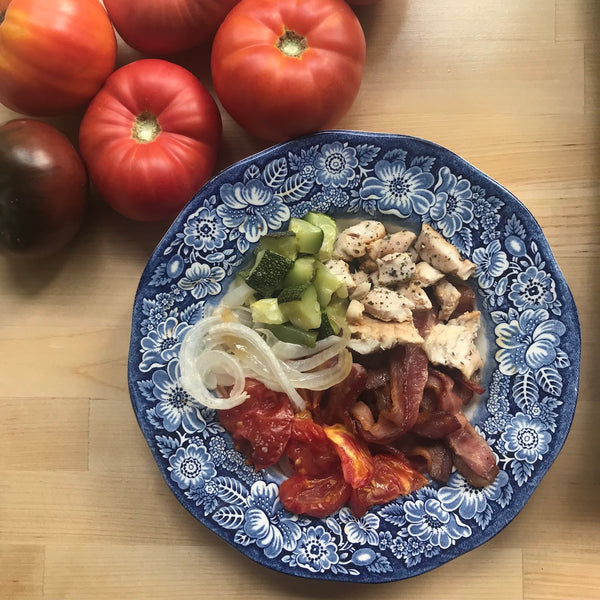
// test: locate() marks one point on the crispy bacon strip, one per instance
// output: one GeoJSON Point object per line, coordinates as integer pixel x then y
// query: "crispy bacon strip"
{"type": "Point", "coordinates": [473, 458]}
{"type": "Point", "coordinates": [433, 458]}
{"type": "Point", "coordinates": [408, 377]}
{"type": "Point", "coordinates": [436, 424]}
{"type": "Point", "coordinates": [443, 388]}
{"type": "Point", "coordinates": [399, 412]}
{"type": "Point", "coordinates": [335, 403]}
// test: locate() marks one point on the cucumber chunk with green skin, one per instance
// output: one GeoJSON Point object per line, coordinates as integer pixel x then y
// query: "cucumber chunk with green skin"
{"type": "Point", "coordinates": [326, 283]}
{"type": "Point", "coordinates": [304, 313]}
{"type": "Point", "coordinates": [294, 335]}
{"type": "Point", "coordinates": [303, 271]}
{"type": "Point", "coordinates": [336, 312]}
{"type": "Point", "coordinates": [292, 293]}
{"type": "Point", "coordinates": [266, 310]}
{"type": "Point", "coordinates": [328, 327]}
{"type": "Point", "coordinates": [282, 242]}
{"type": "Point", "coordinates": [268, 272]}
{"type": "Point", "coordinates": [330, 232]}
{"type": "Point", "coordinates": [309, 237]}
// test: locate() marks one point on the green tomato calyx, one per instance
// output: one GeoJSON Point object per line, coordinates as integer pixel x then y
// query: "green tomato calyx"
{"type": "Point", "coordinates": [145, 128]}
{"type": "Point", "coordinates": [292, 44]}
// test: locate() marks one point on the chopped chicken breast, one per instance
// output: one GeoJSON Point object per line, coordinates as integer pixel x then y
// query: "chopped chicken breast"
{"type": "Point", "coordinates": [400, 241]}
{"type": "Point", "coordinates": [426, 274]}
{"type": "Point", "coordinates": [361, 290]}
{"type": "Point", "coordinates": [354, 241]}
{"type": "Point", "coordinates": [388, 305]}
{"type": "Point", "coordinates": [372, 335]}
{"type": "Point", "coordinates": [362, 285]}
{"type": "Point", "coordinates": [448, 297]}
{"type": "Point", "coordinates": [354, 312]}
{"type": "Point", "coordinates": [441, 254]}
{"type": "Point", "coordinates": [452, 344]}
{"type": "Point", "coordinates": [395, 268]}
{"type": "Point", "coordinates": [413, 291]}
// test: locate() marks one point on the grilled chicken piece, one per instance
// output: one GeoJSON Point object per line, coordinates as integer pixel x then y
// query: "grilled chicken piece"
{"type": "Point", "coordinates": [441, 254]}
{"type": "Point", "coordinates": [395, 268]}
{"type": "Point", "coordinates": [400, 241]}
{"type": "Point", "coordinates": [452, 344]}
{"type": "Point", "coordinates": [448, 297]}
{"type": "Point", "coordinates": [388, 305]}
{"type": "Point", "coordinates": [354, 312]}
{"type": "Point", "coordinates": [413, 291]}
{"type": "Point", "coordinates": [354, 241]}
{"type": "Point", "coordinates": [426, 275]}
{"type": "Point", "coordinates": [371, 335]}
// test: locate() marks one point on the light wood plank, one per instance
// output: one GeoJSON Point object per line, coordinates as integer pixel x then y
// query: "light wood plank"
{"type": "Point", "coordinates": [114, 571]}
{"type": "Point", "coordinates": [113, 426]}
{"type": "Point", "coordinates": [540, 584]}
{"type": "Point", "coordinates": [476, 77]}
{"type": "Point", "coordinates": [21, 571]}
{"type": "Point", "coordinates": [577, 20]}
{"type": "Point", "coordinates": [44, 434]}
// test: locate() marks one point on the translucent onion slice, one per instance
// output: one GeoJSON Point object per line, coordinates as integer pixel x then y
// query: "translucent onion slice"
{"type": "Point", "coordinates": [244, 340]}
{"type": "Point", "coordinates": [213, 346]}
{"type": "Point", "coordinates": [202, 369]}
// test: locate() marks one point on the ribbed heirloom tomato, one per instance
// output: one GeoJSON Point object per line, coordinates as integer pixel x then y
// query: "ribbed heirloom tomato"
{"type": "Point", "coordinates": [150, 139]}
{"type": "Point", "coordinates": [54, 54]}
{"type": "Point", "coordinates": [167, 26]}
{"type": "Point", "coordinates": [283, 68]}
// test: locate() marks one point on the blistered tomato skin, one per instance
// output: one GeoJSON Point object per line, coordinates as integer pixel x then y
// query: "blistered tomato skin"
{"type": "Point", "coordinates": [150, 139]}
{"type": "Point", "coordinates": [54, 55]}
{"type": "Point", "coordinates": [282, 69]}
{"type": "Point", "coordinates": [43, 189]}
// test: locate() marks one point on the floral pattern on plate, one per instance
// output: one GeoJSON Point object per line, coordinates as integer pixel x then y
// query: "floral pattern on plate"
{"type": "Point", "coordinates": [532, 358]}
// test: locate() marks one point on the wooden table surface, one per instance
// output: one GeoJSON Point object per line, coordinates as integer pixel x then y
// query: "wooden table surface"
{"type": "Point", "coordinates": [510, 85]}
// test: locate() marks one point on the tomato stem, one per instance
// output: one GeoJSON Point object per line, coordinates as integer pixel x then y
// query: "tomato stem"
{"type": "Point", "coordinates": [292, 44]}
{"type": "Point", "coordinates": [145, 128]}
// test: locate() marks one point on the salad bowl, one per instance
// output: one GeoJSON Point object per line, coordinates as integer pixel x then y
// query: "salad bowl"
{"type": "Point", "coordinates": [531, 343]}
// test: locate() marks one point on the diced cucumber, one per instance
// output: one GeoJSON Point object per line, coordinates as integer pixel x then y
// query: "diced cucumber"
{"type": "Point", "coordinates": [294, 335]}
{"type": "Point", "coordinates": [309, 237]}
{"type": "Point", "coordinates": [336, 312]}
{"type": "Point", "coordinates": [292, 293]}
{"type": "Point", "coordinates": [268, 272]}
{"type": "Point", "coordinates": [304, 313]}
{"type": "Point", "coordinates": [330, 232]}
{"type": "Point", "coordinates": [266, 310]}
{"type": "Point", "coordinates": [326, 283]}
{"type": "Point", "coordinates": [302, 272]}
{"type": "Point", "coordinates": [328, 327]}
{"type": "Point", "coordinates": [282, 242]}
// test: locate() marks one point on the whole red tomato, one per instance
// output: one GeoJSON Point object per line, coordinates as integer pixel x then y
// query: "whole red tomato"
{"type": "Point", "coordinates": [43, 188]}
{"type": "Point", "coordinates": [150, 139]}
{"type": "Point", "coordinates": [283, 68]}
{"type": "Point", "coordinates": [167, 26]}
{"type": "Point", "coordinates": [54, 54]}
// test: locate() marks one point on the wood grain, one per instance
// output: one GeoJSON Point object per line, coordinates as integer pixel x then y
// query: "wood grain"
{"type": "Point", "coordinates": [513, 87]}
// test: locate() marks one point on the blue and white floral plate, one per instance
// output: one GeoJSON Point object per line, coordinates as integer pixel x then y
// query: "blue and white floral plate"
{"type": "Point", "coordinates": [532, 363]}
